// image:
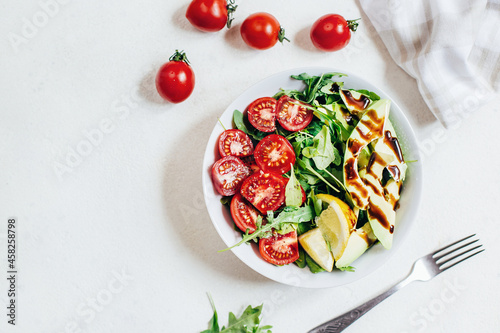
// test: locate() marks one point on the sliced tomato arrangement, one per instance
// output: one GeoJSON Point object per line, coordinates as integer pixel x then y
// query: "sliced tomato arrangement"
{"type": "Point", "coordinates": [292, 114]}
{"type": "Point", "coordinates": [274, 154]}
{"type": "Point", "coordinates": [235, 143]}
{"type": "Point", "coordinates": [280, 249]}
{"type": "Point", "coordinates": [262, 114]}
{"type": "Point", "coordinates": [254, 175]}
{"type": "Point", "coordinates": [228, 174]}
{"type": "Point", "coordinates": [265, 191]}
{"type": "Point", "coordinates": [243, 213]}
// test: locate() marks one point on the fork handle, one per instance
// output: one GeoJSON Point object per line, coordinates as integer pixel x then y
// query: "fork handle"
{"type": "Point", "coordinates": [341, 322]}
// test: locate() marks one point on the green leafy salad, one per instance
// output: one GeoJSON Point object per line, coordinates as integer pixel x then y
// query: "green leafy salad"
{"type": "Point", "coordinates": [313, 176]}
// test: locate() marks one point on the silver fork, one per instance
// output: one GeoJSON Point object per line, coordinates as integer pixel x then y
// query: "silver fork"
{"type": "Point", "coordinates": [423, 269]}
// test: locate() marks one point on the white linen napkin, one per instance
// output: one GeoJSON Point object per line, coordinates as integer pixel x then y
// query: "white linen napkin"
{"type": "Point", "coordinates": [451, 47]}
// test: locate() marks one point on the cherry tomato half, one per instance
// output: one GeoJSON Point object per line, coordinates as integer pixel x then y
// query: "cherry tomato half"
{"type": "Point", "coordinates": [280, 249]}
{"type": "Point", "coordinates": [293, 115]}
{"type": "Point", "coordinates": [175, 79]}
{"type": "Point", "coordinates": [243, 213]}
{"type": "Point", "coordinates": [332, 32]}
{"type": "Point", "coordinates": [262, 114]}
{"type": "Point", "coordinates": [210, 15]}
{"type": "Point", "coordinates": [250, 163]}
{"type": "Point", "coordinates": [266, 191]}
{"type": "Point", "coordinates": [236, 143]}
{"type": "Point", "coordinates": [274, 154]}
{"type": "Point", "coordinates": [228, 174]}
{"type": "Point", "coordinates": [261, 31]}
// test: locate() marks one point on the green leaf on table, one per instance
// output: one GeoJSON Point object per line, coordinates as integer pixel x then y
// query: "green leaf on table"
{"type": "Point", "coordinates": [248, 322]}
{"type": "Point", "coordinates": [213, 324]}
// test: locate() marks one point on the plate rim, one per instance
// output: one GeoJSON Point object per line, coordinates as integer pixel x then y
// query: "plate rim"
{"type": "Point", "coordinates": [300, 278]}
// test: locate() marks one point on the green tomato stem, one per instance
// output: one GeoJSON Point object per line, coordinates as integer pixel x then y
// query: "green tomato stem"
{"type": "Point", "coordinates": [353, 24]}
{"type": "Point", "coordinates": [231, 8]}
{"type": "Point", "coordinates": [281, 35]}
{"type": "Point", "coordinates": [179, 56]}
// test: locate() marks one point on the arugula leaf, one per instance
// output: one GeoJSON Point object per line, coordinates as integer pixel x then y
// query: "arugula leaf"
{"type": "Point", "coordinates": [306, 165]}
{"type": "Point", "coordinates": [323, 152]}
{"type": "Point", "coordinates": [347, 269]}
{"type": "Point", "coordinates": [213, 324]}
{"type": "Point", "coordinates": [301, 262]}
{"type": "Point", "coordinates": [371, 95]}
{"type": "Point", "coordinates": [288, 215]}
{"type": "Point", "coordinates": [317, 203]}
{"type": "Point", "coordinates": [293, 193]}
{"type": "Point", "coordinates": [239, 122]}
{"type": "Point", "coordinates": [313, 266]}
{"type": "Point", "coordinates": [314, 84]}
{"type": "Point", "coordinates": [248, 322]}
{"type": "Point", "coordinates": [226, 200]}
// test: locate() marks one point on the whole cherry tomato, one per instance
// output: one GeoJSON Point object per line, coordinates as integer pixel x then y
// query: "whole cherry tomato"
{"type": "Point", "coordinates": [175, 79]}
{"type": "Point", "coordinates": [210, 15]}
{"type": "Point", "coordinates": [261, 31]}
{"type": "Point", "coordinates": [332, 32]}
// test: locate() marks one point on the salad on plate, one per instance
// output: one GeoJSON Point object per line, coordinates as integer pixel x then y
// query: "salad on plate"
{"type": "Point", "coordinates": [312, 176]}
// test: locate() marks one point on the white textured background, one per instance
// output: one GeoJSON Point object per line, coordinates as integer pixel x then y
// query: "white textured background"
{"type": "Point", "coordinates": [117, 239]}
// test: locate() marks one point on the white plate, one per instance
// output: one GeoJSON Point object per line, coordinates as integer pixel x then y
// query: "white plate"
{"type": "Point", "coordinates": [291, 274]}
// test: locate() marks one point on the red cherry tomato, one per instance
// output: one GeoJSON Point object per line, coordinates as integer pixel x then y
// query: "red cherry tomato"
{"type": "Point", "coordinates": [274, 154]}
{"type": "Point", "coordinates": [236, 143]}
{"type": "Point", "coordinates": [175, 79]}
{"type": "Point", "coordinates": [332, 32]}
{"type": "Point", "coordinates": [210, 15]}
{"type": "Point", "coordinates": [228, 174]}
{"type": "Point", "coordinates": [262, 114]}
{"type": "Point", "coordinates": [280, 249]}
{"type": "Point", "coordinates": [243, 213]}
{"type": "Point", "coordinates": [266, 191]}
{"type": "Point", "coordinates": [292, 114]}
{"type": "Point", "coordinates": [261, 31]}
{"type": "Point", "coordinates": [250, 163]}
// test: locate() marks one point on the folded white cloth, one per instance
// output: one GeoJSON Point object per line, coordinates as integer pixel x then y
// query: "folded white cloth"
{"type": "Point", "coordinates": [451, 47]}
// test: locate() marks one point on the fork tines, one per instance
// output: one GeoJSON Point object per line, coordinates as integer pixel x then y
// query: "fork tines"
{"type": "Point", "coordinates": [454, 256]}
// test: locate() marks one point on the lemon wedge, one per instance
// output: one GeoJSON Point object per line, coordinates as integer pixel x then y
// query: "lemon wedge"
{"type": "Point", "coordinates": [315, 245]}
{"type": "Point", "coordinates": [336, 224]}
{"type": "Point", "coordinates": [350, 214]}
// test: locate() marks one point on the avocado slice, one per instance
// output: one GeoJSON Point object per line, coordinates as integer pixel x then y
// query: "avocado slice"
{"type": "Point", "coordinates": [369, 128]}
{"type": "Point", "coordinates": [355, 102]}
{"type": "Point", "coordinates": [381, 214]}
{"type": "Point", "coordinates": [389, 144]}
{"type": "Point", "coordinates": [359, 241]}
